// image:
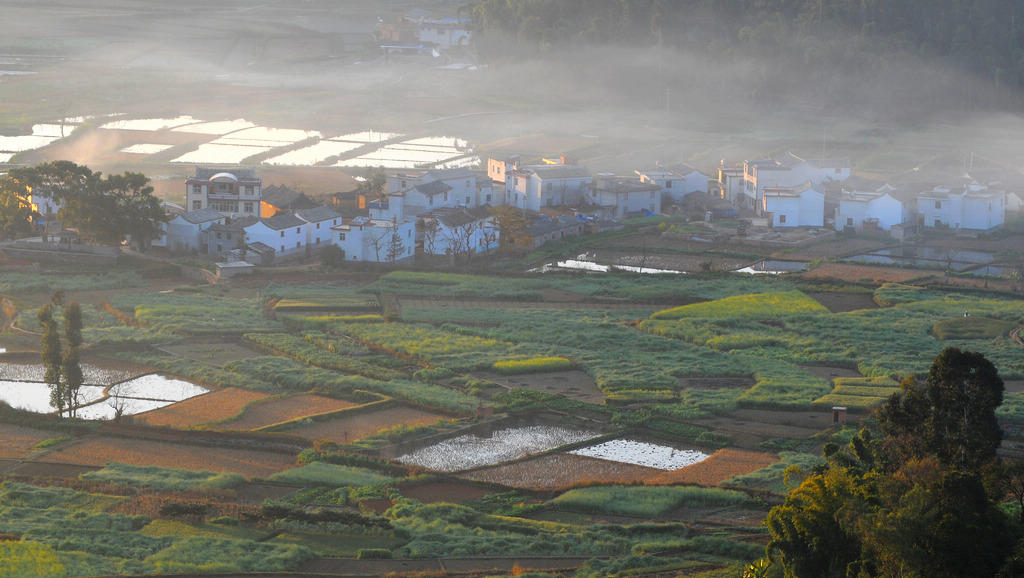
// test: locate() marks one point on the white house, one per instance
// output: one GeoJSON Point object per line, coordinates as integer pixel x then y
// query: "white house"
{"type": "Point", "coordinates": [964, 208]}
{"type": "Point", "coordinates": [285, 233]}
{"type": "Point", "coordinates": [730, 184]}
{"type": "Point", "coordinates": [233, 192]}
{"type": "Point", "coordinates": [881, 209]}
{"type": "Point", "coordinates": [675, 184]}
{"type": "Point", "coordinates": [787, 172]}
{"type": "Point", "coordinates": [376, 240]}
{"type": "Point", "coordinates": [536, 186]}
{"type": "Point", "coordinates": [620, 197]}
{"type": "Point", "coordinates": [427, 190]}
{"type": "Point", "coordinates": [320, 220]}
{"type": "Point", "coordinates": [183, 232]}
{"type": "Point", "coordinates": [459, 231]}
{"type": "Point", "coordinates": [801, 206]}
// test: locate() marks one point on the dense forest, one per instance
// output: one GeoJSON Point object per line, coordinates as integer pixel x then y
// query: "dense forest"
{"type": "Point", "coordinates": [940, 54]}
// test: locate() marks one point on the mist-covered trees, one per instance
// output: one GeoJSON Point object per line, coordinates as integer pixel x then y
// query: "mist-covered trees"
{"type": "Point", "coordinates": [104, 209]}
{"type": "Point", "coordinates": [922, 500]}
{"type": "Point", "coordinates": [824, 48]}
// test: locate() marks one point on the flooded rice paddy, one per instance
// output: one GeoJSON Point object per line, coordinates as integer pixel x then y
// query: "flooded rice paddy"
{"type": "Point", "coordinates": [643, 454]}
{"type": "Point", "coordinates": [472, 451]}
{"type": "Point", "coordinates": [100, 401]}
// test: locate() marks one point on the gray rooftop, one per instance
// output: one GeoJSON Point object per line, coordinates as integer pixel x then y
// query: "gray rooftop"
{"type": "Point", "coordinates": [202, 216]}
{"type": "Point", "coordinates": [318, 214]}
{"type": "Point", "coordinates": [283, 221]}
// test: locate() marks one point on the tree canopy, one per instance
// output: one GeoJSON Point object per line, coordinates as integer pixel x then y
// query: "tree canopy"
{"type": "Point", "coordinates": [104, 209]}
{"type": "Point", "coordinates": [922, 500]}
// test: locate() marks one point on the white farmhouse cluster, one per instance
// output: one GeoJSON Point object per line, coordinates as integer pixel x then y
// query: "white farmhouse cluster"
{"type": "Point", "coordinates": [450, 211]}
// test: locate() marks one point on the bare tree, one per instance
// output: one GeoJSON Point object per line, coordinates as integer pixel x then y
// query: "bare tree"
{"type": "Point", "coordinates": [430, 231]}
{"type": "Point", "coordinates": [378, 238]}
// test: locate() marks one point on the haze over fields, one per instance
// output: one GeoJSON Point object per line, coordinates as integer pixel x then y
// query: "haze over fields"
{"type": "Point", "coordinates": [314, 66]}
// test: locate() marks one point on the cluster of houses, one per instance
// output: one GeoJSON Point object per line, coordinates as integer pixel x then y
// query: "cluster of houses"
{"type": "Point", "coordinates": [448, 212]}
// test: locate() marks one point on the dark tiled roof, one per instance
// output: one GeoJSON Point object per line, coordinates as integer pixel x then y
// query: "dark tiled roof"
{"type": "Point", "coordinates": [461, 216]}
{"type": "Point", "coordinates": [283, 221]}
{"type": "Point", "coordinates": [201, 216]}
{"type": "Point", "coordinates": [433, 188]}
{"type": "Point", "coordinates": [284, 198]}
{"type": "Point", "coordinates": [318, 214]}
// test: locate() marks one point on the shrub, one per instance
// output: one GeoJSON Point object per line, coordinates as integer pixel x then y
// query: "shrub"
{"type": "Point", "coordinates": [645, 501]}
{"type": "Point", "coordinates": [326, 474]}
{"type": "Point", "coordinates": [373, 554]}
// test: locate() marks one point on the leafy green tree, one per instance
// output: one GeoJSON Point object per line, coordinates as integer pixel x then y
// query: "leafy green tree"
{"type": "Point", "coordinates": [70, 364]}
{"type": "Point", "coordinates": [52, 357]}
{"type": "Point", "coordinates": [376, 183]}
{"type": "Point", "coordinates": [512, 229]}
{"type": "Point", "coordinates": [965, 389]}
{"type": "Point", "coordinates": [16, 214]}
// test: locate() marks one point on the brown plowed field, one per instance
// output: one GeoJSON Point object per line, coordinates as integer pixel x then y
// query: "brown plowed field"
{"type": "Point", "coordinates": [101, 449]}
{"type": "Point", "coordinates": [557, 471]}
{"type": "Point", "coordinates": [213, 406]}
{"type": "Point", "coordinates": [350, 428]}
{"type": "Point", "coordinates": [722, 465]}
{"type": "Point", "coordinates": [19, 441]}
{"type": "Point", "coordinates": [264, 413]}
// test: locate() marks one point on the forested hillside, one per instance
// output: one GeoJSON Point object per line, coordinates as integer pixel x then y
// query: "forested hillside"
{"type": "Point", "coordinates": [966, 54]}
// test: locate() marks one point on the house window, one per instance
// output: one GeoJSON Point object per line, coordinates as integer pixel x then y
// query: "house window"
{"type": "Point", "coordinates": [298, 245]}
{"type": "Point", "coordinates": [782, 219]}
{"type": "Point", "coordinates": [446, 197]}
{"type": "Point", "coordinates": [467, 184]}
{"type": "Point", "coordinates": [248, 207]}
{"type": "Point", "coordinates": [403, 184]}
{"type": "Point", "coordinates": [467, 201]}
{"type": "Point", "coordinates": [431, 201]}
{"type": "Point", "coordinates": [488, 197]}
{"type": "Point", "coordinates": [218, 235]}
{"type": "Point", "coordinates": [282, 248]}
{"type": "Point", "coordinates": [849, 221]}
{"type": "Point", "coordinates": [938, 204]}
{"type": "Point", "coordinates": [318, 225]}
{"type": "Point", "coordinates": [282, 234]}
{"type": "Point", "coordinates": [341, 236]}
{"type": "Point", "coordinates": [668, 184]}
{"type": "Point", "coordinates": [408, 233]}
{"type": "Point", "coordinates": [298, 230]}
{"type": "Point", "coordinates": [652, 194]}
{"type": "Point", "coordinates": [317, 241]}
{"type": "Point", "coordinates": [839, 171]}
{"type": "Point", "coordinates": [196, 205]}
{"type": "Point", "coordinates": [249, 190]}
{"type": "Point", "coordinates": [197, 189]}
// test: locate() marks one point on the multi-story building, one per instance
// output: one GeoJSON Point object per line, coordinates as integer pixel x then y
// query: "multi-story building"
{"type": "Point", "coordinates": [620, 197]}
{"type": "Point", "coordinates": [535, 186]}
{"type": "Point", "coordinates": [231, 192]}
{"type": "Point", "coordinates": [786, 172]}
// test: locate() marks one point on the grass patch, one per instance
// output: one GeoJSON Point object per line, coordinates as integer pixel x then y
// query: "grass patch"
{"type": "Point", "coordinates": [972, 328]}
{"type": "Point", "coordinates": [324, 474]}
{"type": "Point", "coordinates": [534, 365]}
{"type": "Point", "coordinates": [157, 478]}
{"type": "Point", "coordinates": [645, 501]}
{"type": "Point", "coordinates": [757, 306]}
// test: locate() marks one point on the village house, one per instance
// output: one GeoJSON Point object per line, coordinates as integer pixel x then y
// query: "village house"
{"type": "Point", "coordinates": [183, 233]}
{"type": "Point", "coordinates": [281, 199]}
{"type": "Point", "coordinates": [621, 197]}
{"type": "Point", "coordinates": [882, 209]}
{"type": "Point", "coordinates": [554, 228]}
{"type": "Point", "coordinates": [800, 206]}
{"type": "Point", "coordinates": [231, 192]}
{"type": "Point", "coordinates": [458, 231]}
{"type": "Point", "coordinates": [787, 172]}
{"type": "Point", "coordinates": [675, 183]}
{"type": "Point", "coordinates": [376, 240]}
{"type": "Point", "coordinates": [320, 220]}
{"type": "Point", "coordinates": [222, 238]}
{"type": "Point", "coordinates": [427, 190]}
{"type": "Point", "coordinates": [285, 233]}
{"type": "Point", "coordinates": [968, 208]}
{"type": "Point", "coordinates": [535, 186]}
{"type": "Point", "coordinates": [730, 185]}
